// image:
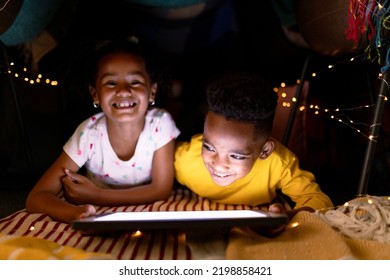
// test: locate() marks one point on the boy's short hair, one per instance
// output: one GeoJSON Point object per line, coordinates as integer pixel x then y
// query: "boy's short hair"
{"type": "Point", "coordinates": [244, 97]}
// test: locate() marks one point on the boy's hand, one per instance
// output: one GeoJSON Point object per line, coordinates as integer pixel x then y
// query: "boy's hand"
{"type": "Point", "coordinates": [272, 232]}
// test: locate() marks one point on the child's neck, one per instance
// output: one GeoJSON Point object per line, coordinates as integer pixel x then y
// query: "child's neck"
{"type": "Point", "coordinates": [124, 138]}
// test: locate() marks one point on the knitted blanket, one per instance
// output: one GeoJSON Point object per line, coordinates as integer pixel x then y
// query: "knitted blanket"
{"type": "Point", "coordinates": [308, 237]}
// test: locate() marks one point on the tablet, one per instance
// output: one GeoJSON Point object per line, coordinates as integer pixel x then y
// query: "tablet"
{"type": "Point", "coordinates": [125, 221]}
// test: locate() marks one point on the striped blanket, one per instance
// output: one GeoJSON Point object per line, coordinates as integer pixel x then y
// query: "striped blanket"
{"type": "Point", "coordinates": [147, 245]}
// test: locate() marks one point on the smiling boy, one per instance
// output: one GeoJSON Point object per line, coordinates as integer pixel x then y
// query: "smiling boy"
{"type": "Point", "coordinates": [235, 161]}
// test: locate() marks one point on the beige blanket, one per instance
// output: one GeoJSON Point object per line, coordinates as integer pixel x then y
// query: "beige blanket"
{"type": "Point", "coordinates": [311, 239]}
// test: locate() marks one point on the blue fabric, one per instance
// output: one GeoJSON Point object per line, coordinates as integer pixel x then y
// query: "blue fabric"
{"type": "Point", "coordinates": [33, 18]}
{"type": "Point", "coordinates": [166, 3]}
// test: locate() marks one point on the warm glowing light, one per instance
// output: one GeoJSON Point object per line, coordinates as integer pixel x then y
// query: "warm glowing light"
{"type": "Point", "coordinates": [302, 108]}
{"type": "Point", "coordinates": [294, 99]}
{"type": "Point", "coordinates": [283, 85]}
{"type": "Point", "coordinates": [137, 233]}
{"type": "Point", "coordinates": [284, 95]}
{"type": "Point", "coordinates": [32, 228]}
{"type": "Point", "coordinates": [293, 225]}
{"type": "Point", "coordinates": [313, 74]}
{"type": "Point", "coordinates": [330, 66]}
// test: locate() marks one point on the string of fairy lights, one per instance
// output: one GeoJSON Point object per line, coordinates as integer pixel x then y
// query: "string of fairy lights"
{"type": "Point", "coordinates": [23, 74]}
{"type": "Point", "coordinates": [339, 115]}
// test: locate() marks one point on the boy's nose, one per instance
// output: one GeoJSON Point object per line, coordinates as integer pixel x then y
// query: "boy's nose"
{"type": "Point", "coordinates": [219, 163]}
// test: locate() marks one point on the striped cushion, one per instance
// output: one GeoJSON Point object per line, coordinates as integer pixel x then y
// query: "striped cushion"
{"type": "Point", "coordinates": [147, 245]}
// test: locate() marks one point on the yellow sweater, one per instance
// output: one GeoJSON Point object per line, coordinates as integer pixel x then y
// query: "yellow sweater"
{"type": "Point", "coordinates": [279, 171]}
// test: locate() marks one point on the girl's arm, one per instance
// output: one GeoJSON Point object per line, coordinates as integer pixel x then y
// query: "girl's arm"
{"type": "Point", "coordinates": [80, 190]}
{"type": "Point", "coordinates": [44, 197]}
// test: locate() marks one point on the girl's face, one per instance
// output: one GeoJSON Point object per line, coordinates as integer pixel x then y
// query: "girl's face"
{"type": "Point", "coordinates": [230, 150]}
{"type": "Point", "coordinates": [123, 87]}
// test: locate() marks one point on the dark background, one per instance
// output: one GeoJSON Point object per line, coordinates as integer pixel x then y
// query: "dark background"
{"type": "Point", "coordinates": [228, 35]}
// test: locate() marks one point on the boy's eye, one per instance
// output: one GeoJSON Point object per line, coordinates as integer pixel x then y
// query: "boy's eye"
{"type": "Point", "coordinates": [238, 157]}
{"type": "Point", "coordinates": [208, 148]}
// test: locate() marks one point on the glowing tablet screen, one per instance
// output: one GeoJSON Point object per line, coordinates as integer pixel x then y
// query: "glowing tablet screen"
{"type": "Point", "coordinates": [179, 219]}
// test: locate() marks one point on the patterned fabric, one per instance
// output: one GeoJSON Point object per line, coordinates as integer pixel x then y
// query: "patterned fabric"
{"type": "Point", "coordinates": [147, 245]}
{"type": "Point", "coordinates": [90, 146]}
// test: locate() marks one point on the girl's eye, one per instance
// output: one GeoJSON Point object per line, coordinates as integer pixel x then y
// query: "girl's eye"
{"type": "Point", "coordinates": [110, 83]}
{"type": "Point", "coordinates": [135, 83]}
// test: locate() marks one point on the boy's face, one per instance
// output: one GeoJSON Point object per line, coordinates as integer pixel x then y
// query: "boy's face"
{"type": "Point", "coordinates": [230, 149]}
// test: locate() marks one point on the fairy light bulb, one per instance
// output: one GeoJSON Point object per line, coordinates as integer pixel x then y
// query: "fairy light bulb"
{"type": "Point", "coordinates": [293, 225]}
{"type": "Point", "coordinates": [23, 73]}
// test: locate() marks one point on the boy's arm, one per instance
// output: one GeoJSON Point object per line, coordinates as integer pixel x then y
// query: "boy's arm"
{"type": "Point", "coordinates": [300, 186]}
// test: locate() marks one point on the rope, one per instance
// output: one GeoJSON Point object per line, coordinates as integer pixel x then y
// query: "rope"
{"type": "Point", "coordinates": [362, 218]}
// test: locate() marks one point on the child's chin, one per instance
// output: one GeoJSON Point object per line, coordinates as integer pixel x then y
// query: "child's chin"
{"type": "Point", "coordinates": [223, 182]}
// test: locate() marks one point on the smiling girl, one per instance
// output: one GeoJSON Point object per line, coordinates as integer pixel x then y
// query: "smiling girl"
{"type": "Point", "coordinates": [127, 149]}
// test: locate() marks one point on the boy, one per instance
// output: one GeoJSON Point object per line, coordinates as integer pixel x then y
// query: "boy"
{"type": "Point", "coordinates": [236, 161]}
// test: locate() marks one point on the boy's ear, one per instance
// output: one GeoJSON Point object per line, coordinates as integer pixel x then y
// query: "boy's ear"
{"type": "Point", "coordinates": [268, 147]}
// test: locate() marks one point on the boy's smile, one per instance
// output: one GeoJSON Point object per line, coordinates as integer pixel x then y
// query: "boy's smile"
{"type": "Point", "coordinates": [229, 148]}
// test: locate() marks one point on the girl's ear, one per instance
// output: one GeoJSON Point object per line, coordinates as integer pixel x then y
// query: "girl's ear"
{"type": "Point", "coordinates": [268, 147]}
{"type": "Point", "coordinates": [153, 92]}
{"type": "Point", "coordinates": [92, 91]}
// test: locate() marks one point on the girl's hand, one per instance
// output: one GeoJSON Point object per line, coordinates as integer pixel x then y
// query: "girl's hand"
{"type": "Point", "coordinates": [85, 211]}
{"type": "Point", "coordinates": [78, 189]}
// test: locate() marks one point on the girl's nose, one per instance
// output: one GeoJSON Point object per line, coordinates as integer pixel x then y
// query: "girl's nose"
{"type": "Point", "coordinates": [123, 91]}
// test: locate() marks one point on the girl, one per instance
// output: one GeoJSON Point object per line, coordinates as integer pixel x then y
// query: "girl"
{"type": "Point", "coordinates": [126, 150]}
